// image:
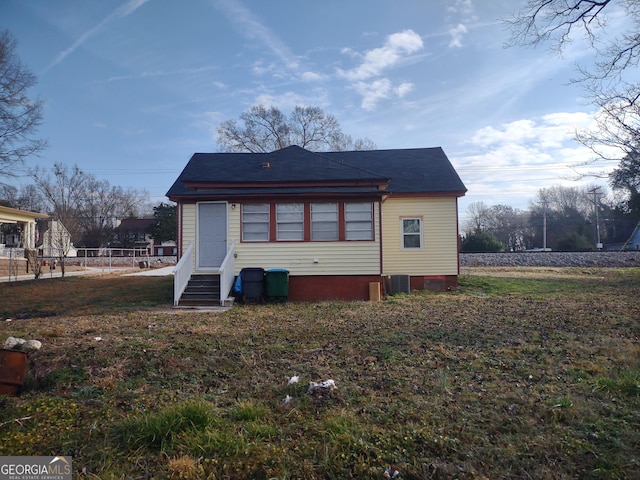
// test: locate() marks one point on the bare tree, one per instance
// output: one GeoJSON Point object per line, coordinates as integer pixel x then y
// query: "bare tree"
{"type": "Point", "coordinates": [25, 197]}
{"type": "Point", "coordinates": [63, 192]}
{"type": "Point", "coordinates": [477, 218]}
{"type": "Point", "coordinates": [503, 222]}
{"type": "Point", "coordinates": [263, 130]}
{"type": "Point", "coordinates": [611, 81]}
{"type": "Point", "coordinates": [101, 207]}
{"type": "Point", "coordinates": [19, 115]}
{"type": "Point", "coordinates": [86, 206]}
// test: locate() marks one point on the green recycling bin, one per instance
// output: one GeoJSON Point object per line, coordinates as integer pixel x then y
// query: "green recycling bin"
{"type": "Point", "coordinates": [277, 284]}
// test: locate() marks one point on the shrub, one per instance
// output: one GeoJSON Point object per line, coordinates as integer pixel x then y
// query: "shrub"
{"type": "Point", "coordinates": [480, 242]}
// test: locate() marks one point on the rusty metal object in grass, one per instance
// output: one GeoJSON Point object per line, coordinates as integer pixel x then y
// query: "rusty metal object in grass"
{"type": "Point", "coordinates": [13, 367]}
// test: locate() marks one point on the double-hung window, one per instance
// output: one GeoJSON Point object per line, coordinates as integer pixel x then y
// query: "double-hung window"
{"type": "Point", "coordinates": [358, 218]}
{"type": "Point", "coordinates": [411, 233]}
{"type": "Point", "coordinates": [255, 222]}
{"type": "Point", "coordinates": [324, 221]}
{"type": "Point", "coordinates": [290, 221]}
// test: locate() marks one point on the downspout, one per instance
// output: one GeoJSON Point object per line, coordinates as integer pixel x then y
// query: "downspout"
{"type": "Point", "coordinates": [458, 235]}
{"type": "Point", "coordinates": [381, 249]}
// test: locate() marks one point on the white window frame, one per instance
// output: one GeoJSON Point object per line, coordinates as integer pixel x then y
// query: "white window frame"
{"type": "Point", "coordinates": [324, 222]}
{"type": "Point", "coordinates": [246, 235]}
{"type": "Point", "coordinates": [404, 234]}
{"type": "Point", "coordinates": [290, 224]}
{"type": "Point", "coordinates": [355, 234]}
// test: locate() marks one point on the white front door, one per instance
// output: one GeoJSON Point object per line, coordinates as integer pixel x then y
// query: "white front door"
{"type": "Point", "coordinates": [212, 234]}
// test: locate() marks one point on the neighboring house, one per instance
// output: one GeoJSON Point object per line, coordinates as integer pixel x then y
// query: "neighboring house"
{"type": "Point", "coordinates": [336, 221]}
{"type": "Point", "coordinates": [132, 233]}
{"type": "Point", "coordinates": [55, 240]}
{"type": "Point", "coordinates": [165, 249]}
{"type": "Point", "coordinates": [18, 227]}
{"type": "Point", "coordinates": [633, 243]}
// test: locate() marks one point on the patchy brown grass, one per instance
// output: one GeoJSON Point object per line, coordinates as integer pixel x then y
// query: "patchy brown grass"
{"type": "Point", "coordinates": [520, 376]}
{"type": "Point", "coordinates": [75, 296]}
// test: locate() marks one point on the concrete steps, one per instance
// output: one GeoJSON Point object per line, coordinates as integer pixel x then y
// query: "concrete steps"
{"type": "Point", "coordinates": [201, 291]}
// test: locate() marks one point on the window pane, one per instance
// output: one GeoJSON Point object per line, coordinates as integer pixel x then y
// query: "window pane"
{"type": "Point", "coordinates": [324, 221]}
{"type": "Point", "coordinates": [411, 233]}
{"type": "Point", "coordinates": [412, 241]}
{"type": "Point", "coordinates": [255, 222]}
{"type": "Point", "coordinates": [411, 225]}
{"type": "Point", "coordinates": [290, 221]}
{"type": "Point", "coordinates": [358, 221]}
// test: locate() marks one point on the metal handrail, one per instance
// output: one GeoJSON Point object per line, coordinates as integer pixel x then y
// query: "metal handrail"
{"type": "Point", "coordinates": [182, 273]}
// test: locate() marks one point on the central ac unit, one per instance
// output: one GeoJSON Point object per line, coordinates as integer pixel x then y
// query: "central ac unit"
{"type": "Point", "coordinates": [400, 284]}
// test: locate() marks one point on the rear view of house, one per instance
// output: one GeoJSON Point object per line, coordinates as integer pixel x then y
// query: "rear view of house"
{"type": "Point", "coordinates": [337, 221]}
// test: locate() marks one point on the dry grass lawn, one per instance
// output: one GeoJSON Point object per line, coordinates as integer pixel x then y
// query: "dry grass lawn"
{"type": "Point", "coordinates": [520, 373]}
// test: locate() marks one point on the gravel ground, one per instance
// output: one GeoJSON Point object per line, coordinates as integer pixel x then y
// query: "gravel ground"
{"type": "Point", "coordinates": [551, 259]}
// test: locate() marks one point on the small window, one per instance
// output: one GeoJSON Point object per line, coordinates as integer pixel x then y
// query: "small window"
{"type": "Point", "coordinates": [411, 233]}
{"type": "Point", "coordinates": [290, 221]}
{"type": "Point", "coordinates": [358, 221]}
{"type": "Point", "coordinates": [255, 222]}
{"type": "Point", "coordinates": [324, 221]}
{"type": "Point", "coordinates": [160, 252]}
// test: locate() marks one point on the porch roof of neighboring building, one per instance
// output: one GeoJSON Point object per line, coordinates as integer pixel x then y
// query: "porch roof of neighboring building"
{"type": "Point", "coordinates": [13, 215]}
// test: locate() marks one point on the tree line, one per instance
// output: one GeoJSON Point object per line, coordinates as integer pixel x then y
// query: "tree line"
{"type": "Point", "coordinates": [88, 207]}
{"type": "Point", "coordinates": [560, 218]}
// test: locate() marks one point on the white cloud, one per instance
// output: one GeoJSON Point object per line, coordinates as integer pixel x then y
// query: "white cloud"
{"type": "Point", "coordinates": [375, 61]}
{"type": "Point", "coordinates": [403, 89]}
{"type": "Point", "coordinates": [285, 101]}
{"type": "Point", "coordinates": [396, 49]}
{"type": "Point", "coordinates": [551, 131]}
{"type": "Point", "coordinates": [510, 163]}
{"type": "Point", "coordinates": [461, 6]}
{"type": "Point", "coordinates": [372, 92]}
{"type": "Point", "coordinates": [457, 33]}
{"type": "Point", "coordinates": [311, 76]}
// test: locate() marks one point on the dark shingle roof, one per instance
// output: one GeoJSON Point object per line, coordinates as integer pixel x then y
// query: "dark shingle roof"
{"type": "Point", "coordinates": [419, 170]}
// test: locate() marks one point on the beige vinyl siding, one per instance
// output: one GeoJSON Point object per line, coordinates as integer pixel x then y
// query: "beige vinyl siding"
{"type": "Point", "coordinates": [334, 258]}
{"type": "Point", "coordinates": [188, 226]}
{"type": "Point", "coordinates": [439, 252]}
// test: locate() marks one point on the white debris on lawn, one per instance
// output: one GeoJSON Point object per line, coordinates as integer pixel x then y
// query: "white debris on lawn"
{"type": "Point", "coordinates": [320, 386]}
{"type": "Point", "coordinates": [391, 473]}
{"type": "Point", "coordinates": [293, 380]}
{"type": "Point", "coordinates": [13, 343]}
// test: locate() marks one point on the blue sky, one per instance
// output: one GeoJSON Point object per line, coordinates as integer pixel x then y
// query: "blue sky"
{"type": "Point", "coordinates": [132, 88]}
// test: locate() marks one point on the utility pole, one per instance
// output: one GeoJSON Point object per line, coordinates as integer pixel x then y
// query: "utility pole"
{"type": "Point", "coordinates": [544, 223]}
{"type": "Point", "coordinates": [595, 192]}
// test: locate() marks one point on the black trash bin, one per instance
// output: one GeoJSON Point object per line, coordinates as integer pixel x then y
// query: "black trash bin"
{"type": "Point", "coordinates": [252, 280]}
{"type": "Point", "coordinates": [277, 284]}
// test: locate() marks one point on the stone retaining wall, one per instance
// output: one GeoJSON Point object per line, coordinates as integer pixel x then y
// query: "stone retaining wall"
{"type": "Point", "coordinates": [551, 259]}
{"type": "Point", "coordinates": [18, 266]}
